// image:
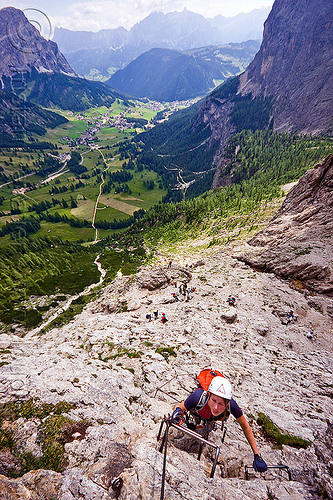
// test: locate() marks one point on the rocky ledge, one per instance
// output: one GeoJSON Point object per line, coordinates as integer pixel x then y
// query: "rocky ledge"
{"type": "Point", "coordinates": [298, 242]}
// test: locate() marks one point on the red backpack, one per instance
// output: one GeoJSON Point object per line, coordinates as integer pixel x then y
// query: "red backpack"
{"type": "Point", "coordinates": [205, 377]}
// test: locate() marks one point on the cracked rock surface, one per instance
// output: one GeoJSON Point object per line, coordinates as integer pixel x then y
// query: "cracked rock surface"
{"type": "Point", "coordinates": [122, 373]}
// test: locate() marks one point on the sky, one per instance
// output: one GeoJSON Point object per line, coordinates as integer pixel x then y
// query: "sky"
{"type": "Point", "coordinates": [94, 15]}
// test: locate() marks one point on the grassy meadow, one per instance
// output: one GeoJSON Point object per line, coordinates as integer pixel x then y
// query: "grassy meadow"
{"type": "Point", "coordinates": [75, 195]}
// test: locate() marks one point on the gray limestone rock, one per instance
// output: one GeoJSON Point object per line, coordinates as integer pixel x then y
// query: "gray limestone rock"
{"type": "Point", "coordinates": [122, 374]}
{"type": "Point", "coordinates": [229, 315]}
{"type": "Point", "coordinates": [297, 243]}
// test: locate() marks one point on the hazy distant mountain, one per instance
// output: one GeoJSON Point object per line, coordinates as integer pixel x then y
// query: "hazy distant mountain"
{"type": "Point", "coordinates": [72, 41]}
{"type": "Point", "coordinates": [100, 64]}
{"type": "Point", "coordinates": [176, 30]}
{"type": "Point", "coordinates": [224, 61]}
{"type": "Point", "coordinates": [244, 26]}
{"type": "Point", "coordinates": [103, 52]}
{"type": "Point", "coordinates": [168, 75]}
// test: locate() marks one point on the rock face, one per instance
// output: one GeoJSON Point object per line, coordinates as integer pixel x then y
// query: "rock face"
{"type": "Point", "coordinates": [22, 48]}
{"type": "Point", "coordinates": [298, 241]}
{"type": "Point", "coordinates": [294, 65]}
{"type": "Point", "coordinates": [215, 113]}
{"type": "Point", "coordinates": [292, 74]}
{"type": "Point", "coordinates": [119, 373]}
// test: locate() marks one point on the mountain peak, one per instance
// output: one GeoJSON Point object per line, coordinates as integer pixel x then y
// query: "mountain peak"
{"type": "Point", "coordinates": [22, 48]}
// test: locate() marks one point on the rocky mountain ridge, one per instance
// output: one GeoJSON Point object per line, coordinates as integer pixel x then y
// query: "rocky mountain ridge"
{"type": "Point", "coordinates": [35, 72]}
{"type": "Point", "coordinates": [174, 30]}
{"type": "Point", "coordinates": [22, 49]}
{"type": "Point", "coordinates": [294, 66]}
{"type": "Point", "coordinates": [113, 374]}
{"type": "Point", "coordinates": [106, 51]}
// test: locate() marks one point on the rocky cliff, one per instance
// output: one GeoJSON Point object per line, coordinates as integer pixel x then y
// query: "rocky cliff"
{"type": "Point", "coordinates": [87, 399]}
{"type": "Point", "coordinates": [290, 78]}
{"type": "Point", "coordinates": [22, 48]}
{"type": "Point", "coordinates": [298, 241]}
{"type": "Point", "coordinates": [295, 66]}
{"type": "Point", "coordinates": [35, 69]}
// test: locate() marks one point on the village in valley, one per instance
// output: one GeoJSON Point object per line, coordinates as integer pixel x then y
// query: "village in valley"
{"type": "Point", "coordinates": [123, 120]}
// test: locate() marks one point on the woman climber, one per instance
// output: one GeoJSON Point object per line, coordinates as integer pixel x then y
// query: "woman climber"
{"type": "Point", "coordinates": [216, 404]}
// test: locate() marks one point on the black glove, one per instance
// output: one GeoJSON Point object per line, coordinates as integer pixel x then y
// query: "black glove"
{"type": "Point", "coordinates": [259, 464]}
{"type": "Point", "coordinates": [178, 416]}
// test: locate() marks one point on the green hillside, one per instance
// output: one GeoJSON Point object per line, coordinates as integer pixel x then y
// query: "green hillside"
{"type": "Point", "coordinates": [65, 92]}
{"type": "Point", "coordinates": [162, 75]}
{"type": "Point", "coordinates": [36, 261]}
{"type": "Point", "coordinates": [168, 75]}
{"type": "Point", "coordinates": [183, 144]}
{"type": "Point", "coordinates": [20, 119]}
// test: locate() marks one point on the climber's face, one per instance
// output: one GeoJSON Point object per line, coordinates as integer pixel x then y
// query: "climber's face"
{"type": "Point", "coordinates": [216, 404]}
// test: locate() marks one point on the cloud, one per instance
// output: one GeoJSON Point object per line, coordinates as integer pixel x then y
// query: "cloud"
{"type": "Point", "coordinates": [102, 14]}
{"type": "Point", "coordinates": [94, 15]}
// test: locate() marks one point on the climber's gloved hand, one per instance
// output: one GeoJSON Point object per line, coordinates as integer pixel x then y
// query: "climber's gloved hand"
{"type": "Point", "coordinates": [259, 464]}
{"type": "Point", "coordinates": [178, 416]}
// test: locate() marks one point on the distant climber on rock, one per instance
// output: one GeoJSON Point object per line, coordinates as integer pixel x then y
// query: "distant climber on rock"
{"type": "Point", "coordinates": [311, 335]}
{"type": "Point", "coordinates": [216, 404]}
{"type": "Point", "coordinates": [163, 319]}
{"type": "Point", "coordinates": [155, 312]}
{"type": "Point", "coordinates": [290, 318]}
{"type": "Point", "coordinates": [175, 296]}
{"type": "Point", "coordinates": [231, 300]}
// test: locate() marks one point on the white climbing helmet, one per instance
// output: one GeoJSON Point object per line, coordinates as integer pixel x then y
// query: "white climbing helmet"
{"type": "Point", "coordinates": [220, 386]}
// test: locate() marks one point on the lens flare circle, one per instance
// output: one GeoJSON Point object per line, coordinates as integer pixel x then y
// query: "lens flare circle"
{"type": "Point", "coordinates": [17, 34]}
{"type": "Point", "coordinates": [40, 21]}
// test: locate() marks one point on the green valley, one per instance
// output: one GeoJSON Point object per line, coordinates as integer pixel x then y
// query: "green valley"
{"type": "Point", "coordinates": [101, 191]}
{"type": "Point", "coordinates": [89, 193]}
{"type": "Point", "coordinates": [69, 196]}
